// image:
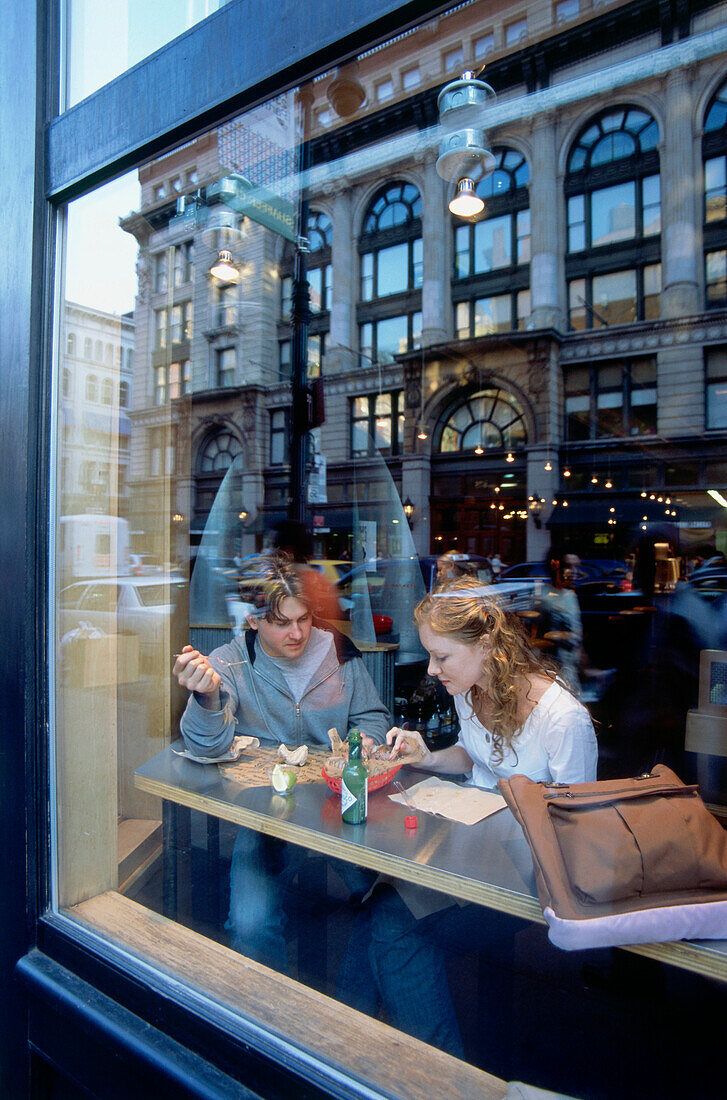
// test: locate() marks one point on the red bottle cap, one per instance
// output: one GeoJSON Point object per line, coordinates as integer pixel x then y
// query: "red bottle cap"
{"type": "Point", "coordinates": [410, 822]}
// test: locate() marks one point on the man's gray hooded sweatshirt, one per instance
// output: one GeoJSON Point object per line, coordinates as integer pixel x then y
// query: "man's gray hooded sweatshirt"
{"type": "Point", "coordinates": [256, 698]}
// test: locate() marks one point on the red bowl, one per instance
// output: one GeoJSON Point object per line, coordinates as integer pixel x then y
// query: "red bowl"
{"type": "Point", "coordinates": [375, 782]}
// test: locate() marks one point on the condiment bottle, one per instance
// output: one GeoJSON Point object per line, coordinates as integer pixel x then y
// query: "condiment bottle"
{"type": "Point", "coordinates": [354, 782]}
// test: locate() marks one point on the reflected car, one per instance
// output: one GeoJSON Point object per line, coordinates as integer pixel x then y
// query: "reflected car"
{"type": "Point", "coordinates": [132, 605]}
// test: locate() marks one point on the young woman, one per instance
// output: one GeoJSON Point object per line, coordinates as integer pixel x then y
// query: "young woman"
{"type": "Point", "coordinates": [515, 716]}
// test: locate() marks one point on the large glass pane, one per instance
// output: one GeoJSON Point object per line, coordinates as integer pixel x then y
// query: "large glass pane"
{"type": "Point", "coordinates": [136, 30]}
{"type": "Point", "coordinates": [197, 429]}
{"type": "Point", "coordinates": [614, 298]}
{"type": "Point", "coordinates": [493, 243]}
{"type": "Point", "coordinates": [392, 270]}
{"type": "Point", "coordinates": [613, 214]}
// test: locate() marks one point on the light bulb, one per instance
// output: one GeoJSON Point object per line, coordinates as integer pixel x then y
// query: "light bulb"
{"type": "Point", "coordinates": [224, 269]}
{"type": "Point", "coordinates": [466, 203]}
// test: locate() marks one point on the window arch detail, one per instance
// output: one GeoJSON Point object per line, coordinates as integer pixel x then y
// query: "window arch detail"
{"type": "Point", "coordinates": [490, 419]}
{"type": "Point", "coordinates": [389, 312]}
{"type": "Point", "coordinates": [613, 205]}
{"type": "Point", "coordinates": [217, 453]}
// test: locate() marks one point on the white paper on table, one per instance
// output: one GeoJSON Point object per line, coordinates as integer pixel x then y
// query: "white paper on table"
{"type": "Point", "coordinates": [467, 805]}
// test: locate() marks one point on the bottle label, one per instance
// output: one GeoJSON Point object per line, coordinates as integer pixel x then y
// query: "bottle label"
{"type": "Point", "coordinates": [348, 799]}
{"type": "Point", "coordinates": [356, 803]}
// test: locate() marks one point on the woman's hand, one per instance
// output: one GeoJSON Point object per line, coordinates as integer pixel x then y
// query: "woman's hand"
{"type": "Point", "coordinates": [195, 673]}
{"type": "Point", "coordinates": [407, 745]}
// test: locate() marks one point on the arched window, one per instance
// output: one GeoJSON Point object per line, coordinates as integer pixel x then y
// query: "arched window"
{"type": "Point", "coordinates": [67, 383]}
{"type": "Point", "coordinates": [491, 289]}
{"type": "Point", "coordinates": [107, 392]}
{"type": "Point", "coordinates": [714, 154]}
{"type": "Point", "coordinates": [91, 387]}
{"type": "Point", "coordinates": [490, 419]}
{"type": "Point", "coordinates": [613, 198]}
{"type": "Point", "coordinates": [390, 248]}
{"type": "Point", "coordinates": [318, 273]}
{"type": "Point", "coordinates": [217, 453]}
{"type": "Point", "coordinates": [71, 343]}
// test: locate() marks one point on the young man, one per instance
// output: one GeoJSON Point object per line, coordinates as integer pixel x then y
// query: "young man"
{"type": "Point", "coordinates": [288, 681]}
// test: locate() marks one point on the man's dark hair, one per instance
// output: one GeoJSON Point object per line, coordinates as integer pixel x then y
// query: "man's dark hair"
{"type": "Point", "coordinates": [267, 581]}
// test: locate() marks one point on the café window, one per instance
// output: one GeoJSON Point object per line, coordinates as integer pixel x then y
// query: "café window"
{"type": "Point", "coordinates": [714, 153]}
{"type": "Point", "coordinates": [611, 399]}
{"type": "Point", "coordinates": [492, 255]}
{"type": "Point", "coordinates": [377, 424]}
{"type": "Point", "coordinates": [613, 205]}
{"type": "Point", "coordinates": [716, 371]}
{"type": "Point", "coordinates": [489, 419]}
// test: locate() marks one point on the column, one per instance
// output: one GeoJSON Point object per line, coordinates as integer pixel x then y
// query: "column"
{"type": "Point", "coordinates": [343, 339]}
{"type": "Point", "coordinates": [436, 280]}
{"type": "Point", "coordinates": [680, 202]}
{"type": "Point", "coordinates": [545, 244]}
{"type": "Point", "coordinates": [415, 484]}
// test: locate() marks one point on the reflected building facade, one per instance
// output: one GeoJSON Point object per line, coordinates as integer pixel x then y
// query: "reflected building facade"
{"type": "Point", "coordinates": [525, 375]}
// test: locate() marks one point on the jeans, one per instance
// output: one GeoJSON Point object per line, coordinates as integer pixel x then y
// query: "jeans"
{"type": "Point", "coordinates": [261, 888]}
{"type": "Point", "coordinates": [396, 960]}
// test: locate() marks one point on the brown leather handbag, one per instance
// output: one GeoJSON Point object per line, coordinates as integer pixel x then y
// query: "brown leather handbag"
{"type": "Point", "coordinates": [625, 860]}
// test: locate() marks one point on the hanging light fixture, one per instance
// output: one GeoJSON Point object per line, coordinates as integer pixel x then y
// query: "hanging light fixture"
{"type": "Point", "coordinates": [644, 493]}
{"type": "Point", "coordinates": [422, 433]}
{"type": "Point", "coordinates": [242, 514]}
{"type": "Point", "coordinates": [224, 269]}
{"type": "Point", "coordinates": [509, 457]}
{"type": "Point", "coordinates": [566, 472]}
{"type": "Point", "coordinates": [594, 480]}
{"type": "Point", "coordinates": [608, 484]}
{"type": "Point", "coordinates": [466, 203]}
{"type": "Point", "coordinates": [479, 449]}
{"type": "Point", "coordinates": [548, 466]}
{"type": "Point", "coordinates": [408, 509]}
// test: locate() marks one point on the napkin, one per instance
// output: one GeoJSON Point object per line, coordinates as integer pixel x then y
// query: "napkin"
{"type": "Point", "coordinates": [235, 751]}
{"type": "Point", "coordinates": [467, 805]}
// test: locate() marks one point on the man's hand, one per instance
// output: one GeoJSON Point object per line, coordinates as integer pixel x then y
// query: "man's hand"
{"type": "Point", "coordinates": [195, 673]}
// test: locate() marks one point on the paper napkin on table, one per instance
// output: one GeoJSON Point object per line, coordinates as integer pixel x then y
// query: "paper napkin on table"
{"type": "Point", "coordinates": [467, 805]}
{"type": "Point", "coordinates": [235, 751]}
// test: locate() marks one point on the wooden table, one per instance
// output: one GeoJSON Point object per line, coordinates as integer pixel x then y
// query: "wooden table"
{"type": "Point", "coordinates": [488, 863]}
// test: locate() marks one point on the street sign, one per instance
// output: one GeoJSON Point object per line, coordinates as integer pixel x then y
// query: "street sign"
{"type": "Point", "coordinates": [258, 203]}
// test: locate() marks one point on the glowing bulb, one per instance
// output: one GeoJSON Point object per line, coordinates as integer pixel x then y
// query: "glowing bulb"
{"type": "Point", "coordinates": [466, 203]}
{"type": "Point", "coordinates": [612, 509]}
{"type": "Point", "coordinates": [609, 484]}
{"type": "Point", "coordinates": [479, 450]}
{"type": "Point", "coordinates": [565, 503]}
{"type": "Point", "coordinates": [643, 494]}
{"type": "Point", "coordinates": [594, 480]}
{"type": "Point", "coordinates": [509, 457]}
{"type": "Point", "coordinates": [566, 472]}
{"type": "Point", "coordinates": [548, 466]}
{"type": "Point", "coordinates": [224, 269]}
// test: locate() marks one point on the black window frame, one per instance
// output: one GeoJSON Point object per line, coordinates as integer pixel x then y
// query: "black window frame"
{"type": "Point", "coordinates": [396, 413]}
{"type": "Point", "coordinates": [714, 145]}
{"type": "Point", "coordinates": [625, 388]}
{"type": "Point", "coordinates": [633, 254]}
{"type": "Point", "coordinates": [510, 279]}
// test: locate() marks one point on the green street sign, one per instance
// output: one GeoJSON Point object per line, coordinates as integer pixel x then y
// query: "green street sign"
{"type": "Point", "coordinates": [258, 203]}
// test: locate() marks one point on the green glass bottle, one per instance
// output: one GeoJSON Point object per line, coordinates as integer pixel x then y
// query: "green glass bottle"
{"type": "Point", "coordinates": [354, 782]}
